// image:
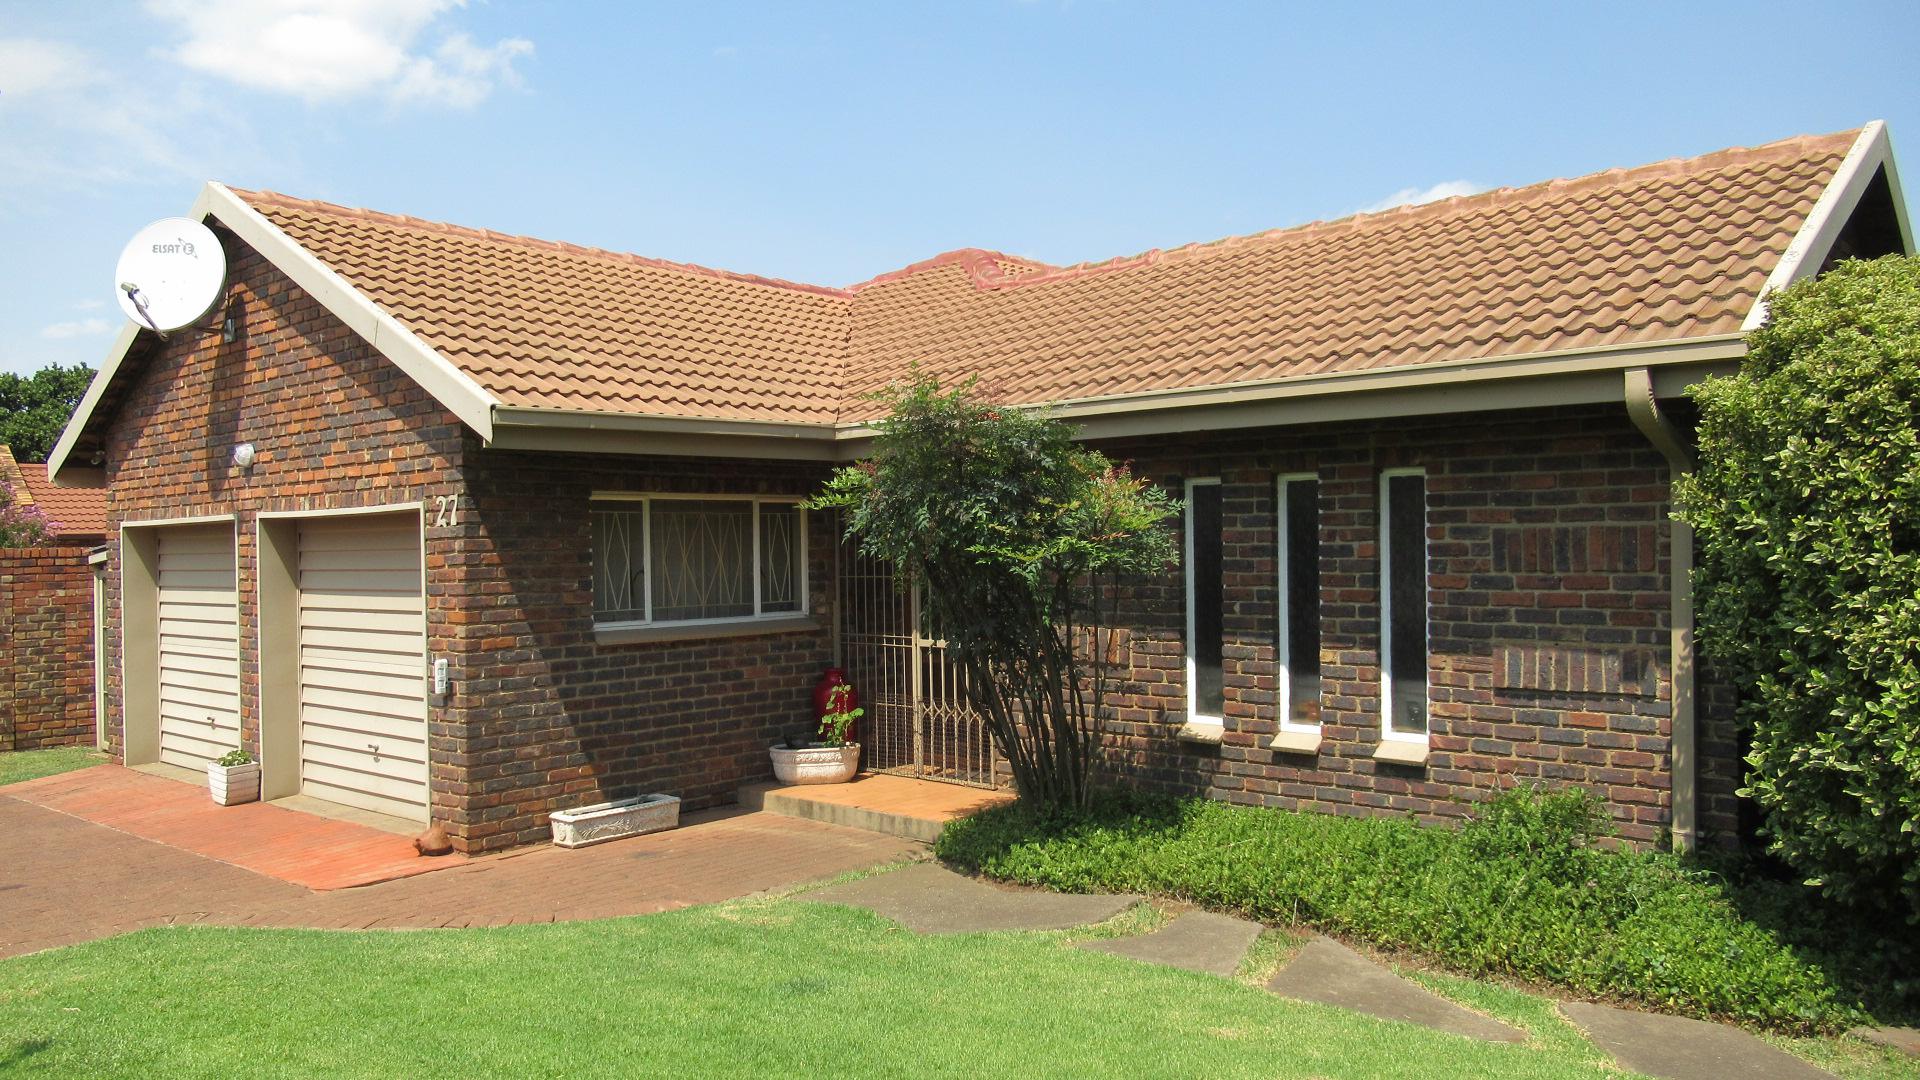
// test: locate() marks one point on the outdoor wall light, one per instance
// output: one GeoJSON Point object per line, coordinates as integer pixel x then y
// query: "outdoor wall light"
{"type": "Point", "coordinates": [243, 455]}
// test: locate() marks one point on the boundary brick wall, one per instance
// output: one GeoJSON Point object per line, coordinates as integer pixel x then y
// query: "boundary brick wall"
{"type": "Point", "coordinates": [46, 648]}
{"type": "Point", "coordinates": [1548, 660]}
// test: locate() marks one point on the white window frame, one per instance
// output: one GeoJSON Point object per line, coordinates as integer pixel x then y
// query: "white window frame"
{"type": "Point", "coordinates": [1195, 718]}
{"type": "Point", "coordinates": [1283, 556]}
{"type": "Point", "coordinates": [1387, 734]}
{"type": "Point", "coordinates": [646, 500]}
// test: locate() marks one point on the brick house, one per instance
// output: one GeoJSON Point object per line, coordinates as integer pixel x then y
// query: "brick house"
{"type": "Point", "coordinates": [50, 603]}
{"type": "Point", "coordinates": [1424, 454]}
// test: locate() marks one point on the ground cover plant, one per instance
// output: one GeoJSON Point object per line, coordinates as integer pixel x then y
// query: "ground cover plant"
{"type": "Point", "coordinates": [752, 988]}
{"type": "Point", "coordinates": [1012, 531]}
{"type": "Point", "coordinates": [1520, 892]}
{"type": "Point", "coordinates": [1806, 509]}
{"type": "Point", "coordinates": [33, 764]}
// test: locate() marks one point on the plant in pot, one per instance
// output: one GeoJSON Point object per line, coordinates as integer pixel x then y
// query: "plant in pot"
{"type": "Point", "coordinates": [234, 778]}
{"type": "Point", "coordinates": [830, 759]}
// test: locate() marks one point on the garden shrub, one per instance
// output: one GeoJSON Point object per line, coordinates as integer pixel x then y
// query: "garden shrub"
{"type": "Point", "coordinates": [1806, 509]}
{"type": "Point", "coordinates": [1521, 891]}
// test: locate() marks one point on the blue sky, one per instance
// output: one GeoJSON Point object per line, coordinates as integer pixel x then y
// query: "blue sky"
{"type": "Point", "coordinates": [830, 143]}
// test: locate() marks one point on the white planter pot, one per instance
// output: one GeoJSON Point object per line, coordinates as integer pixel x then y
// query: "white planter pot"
{"type": "Point", "coordinates": [815, 764]}
{"type": "Point", "coordinates": [605, 821]}
{"type": "Point", "coordinates": [231, 784]}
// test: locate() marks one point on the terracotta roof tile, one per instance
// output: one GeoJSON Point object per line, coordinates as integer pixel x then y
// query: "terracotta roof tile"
{"type": "Point", "coordinates": [1667, 251]}
{"type": "Point", "coordinates": [79, 512]}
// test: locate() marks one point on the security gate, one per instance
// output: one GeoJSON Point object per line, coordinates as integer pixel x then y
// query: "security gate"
{"type": "Point", "coordinates": [917, 722]}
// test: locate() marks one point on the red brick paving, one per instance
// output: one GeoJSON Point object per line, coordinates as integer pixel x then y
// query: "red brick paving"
{"type": "Point", "coordinates": [64, 879]}
{"type": "Point", "coordinates": [317, 852]}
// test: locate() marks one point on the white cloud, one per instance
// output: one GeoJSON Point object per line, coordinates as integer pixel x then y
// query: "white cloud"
{"type": "Point", "coordinates": [460, 73]}
{"type": "Point", "coordinates": [95, 327]}
{"type": "Point", "coordinates": [333, 50]}
{"type": "Point", "coordinates": [1446, 189]}
{"type": "Point", "coordinates": [30, 67]}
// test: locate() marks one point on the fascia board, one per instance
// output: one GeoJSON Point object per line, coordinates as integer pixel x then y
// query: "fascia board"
{"type": "Point", "coordinates": [448, 385]}
{"type": "Point", "coordinates": [82, 413]}
{"type": "Point", "coordinates": [1809, 247]}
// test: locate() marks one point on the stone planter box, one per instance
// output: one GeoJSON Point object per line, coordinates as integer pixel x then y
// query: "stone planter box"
{"type": "Point", "coordinates": [605, 821]}
{"type": "Point", "coordinates": [815, 764]}
{"type": "Point", "coordinates": [233, 784]}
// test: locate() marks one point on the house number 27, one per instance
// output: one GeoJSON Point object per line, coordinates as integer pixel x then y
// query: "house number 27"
{"type": "Point", "coordinates": [446, 511]}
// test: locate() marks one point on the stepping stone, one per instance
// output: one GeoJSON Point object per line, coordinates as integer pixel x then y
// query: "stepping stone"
{"type": "Point", "coordinates": [1195, 940]}
{"type": "Point", "coordinates": [1332, 974]}
{"type": "Point", "coordinates": [930, 899]}
{"type": "Point", "coordinates": [1904, 1039]}
{"type": "Point", "coordinates": [1681, 1049]}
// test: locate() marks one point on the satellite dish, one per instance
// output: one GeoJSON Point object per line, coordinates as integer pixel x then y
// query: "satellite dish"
{"type": "Point", "coordinates": [170, 274]}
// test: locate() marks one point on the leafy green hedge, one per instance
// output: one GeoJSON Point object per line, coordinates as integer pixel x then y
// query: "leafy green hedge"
{"type": "Point", "coordinates": [1520, 891]}
{"type": "Point", "coordinates": [1806, 508]}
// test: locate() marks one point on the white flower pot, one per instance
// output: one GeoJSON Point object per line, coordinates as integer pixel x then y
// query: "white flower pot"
{"type": "Point", "coordinates": [606, 821]}
{"type": "Point", "coordinates": [231, 784]}
{"type": "Point", "coordinates": [815, 764]}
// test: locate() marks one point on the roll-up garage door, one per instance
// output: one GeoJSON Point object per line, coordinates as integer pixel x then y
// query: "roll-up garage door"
{"type": "Point", "coordinates": [199, 645]}
{"type": "Point", "coordinates": [363, 707]}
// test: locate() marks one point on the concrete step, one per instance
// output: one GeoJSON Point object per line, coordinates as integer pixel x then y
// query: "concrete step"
{"type": "Point", "coordinates": [894, 805]}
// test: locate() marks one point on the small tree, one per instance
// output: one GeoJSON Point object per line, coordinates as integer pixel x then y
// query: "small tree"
{"type": "Point", "coordinates": [22, 526]}
{"type": "Point", "coordinates": [33, 408]}
{"type": "Point", "coordinates": [1806, 506]}
{"type": "Point", "coordinates": [1015, 535]}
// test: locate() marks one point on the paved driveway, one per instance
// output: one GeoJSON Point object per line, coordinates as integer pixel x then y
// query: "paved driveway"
{"type": "Point", "coordinates": [64, 880]}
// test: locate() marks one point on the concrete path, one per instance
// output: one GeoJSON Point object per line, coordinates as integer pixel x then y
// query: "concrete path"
{"type": "Point", "coordinates": [1681, 1049]}
{"type": "Point", "coordinates": [1194, 940]}
{"type": "Point", "coordinates": [1332, 974]}
{"type": "Point", "coordinates": [65, 880]}
{"type": "Point", "coordinates": [931, 899]}
{"type": "Point", "coordinates": [1904, 1039]}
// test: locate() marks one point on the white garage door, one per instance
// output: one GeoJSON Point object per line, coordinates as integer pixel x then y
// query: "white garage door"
{"type": "Point", "coordinates": [363, 706]}
{"type": "Point", "coordinates": [199, 645]}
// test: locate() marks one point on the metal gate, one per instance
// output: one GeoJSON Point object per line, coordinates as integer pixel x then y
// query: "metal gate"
{"type": "Point", "coordinates": [917, 721]}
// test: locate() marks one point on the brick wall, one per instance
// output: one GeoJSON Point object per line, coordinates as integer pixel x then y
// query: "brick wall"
{"type": "Point", "coordinates": [334, 425]}
{"type": "Point", "coordinates": [1548, 607]}
{"type": "Point", "coordinates": [555, 719]}
{"type": "Point", "coordinates": [46, 648]}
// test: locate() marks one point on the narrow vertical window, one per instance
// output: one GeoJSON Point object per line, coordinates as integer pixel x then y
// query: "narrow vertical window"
{"type": "Point", "coordinates": [1403, 601]}
{"type": "Point", "coordinates": [1298, 503]}
{"type": "Point", "coordinates": [1206, 689]}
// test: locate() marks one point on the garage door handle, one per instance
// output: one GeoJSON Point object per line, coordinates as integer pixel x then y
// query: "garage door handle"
{"type": "Point", "coordinates": [375, 747]}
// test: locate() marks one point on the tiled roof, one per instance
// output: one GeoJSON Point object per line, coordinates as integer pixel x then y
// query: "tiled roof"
{"type": "Point", "coordinates": [80, 512]}
{"type": "Point", "coordinates": [1670, 251]}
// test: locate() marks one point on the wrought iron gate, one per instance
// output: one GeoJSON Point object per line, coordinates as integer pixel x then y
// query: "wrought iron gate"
{"type": "Point", "coordinates": [917, 722]}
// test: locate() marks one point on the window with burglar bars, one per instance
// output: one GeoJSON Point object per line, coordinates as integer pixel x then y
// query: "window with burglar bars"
{"type": "Point", "coordinates": [680, 560]}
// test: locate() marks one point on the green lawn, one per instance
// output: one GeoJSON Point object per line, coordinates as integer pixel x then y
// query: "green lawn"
{"type": "Point", "coordinates": [33, 764]}
{"type": "Point", "coordinates": [749, 988]}
{"type": "Point", "coordinates": [754, 987]}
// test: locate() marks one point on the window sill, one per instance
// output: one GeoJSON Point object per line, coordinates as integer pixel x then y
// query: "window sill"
{"type": "Point", "coordinates": [1202, 734]}
{"type": "Point", "coordinates": [638, 635]}
{"type": "Point", "coordinates": [1296, 742]}
{"type": "Point", "coordinates": [1398, 752]}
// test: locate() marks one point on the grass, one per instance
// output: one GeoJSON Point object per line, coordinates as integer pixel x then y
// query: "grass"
{"type": "Point", "coordinates": [32, 764]}
{"type": "Point", "coordinates": [748, 988]}
{"type": "Point", "coordinates": [1522, 893]}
